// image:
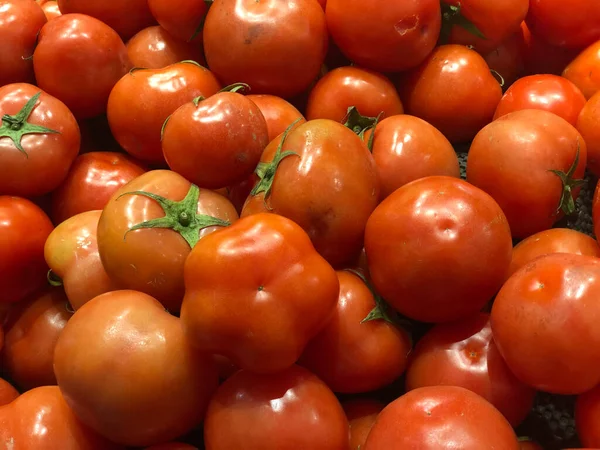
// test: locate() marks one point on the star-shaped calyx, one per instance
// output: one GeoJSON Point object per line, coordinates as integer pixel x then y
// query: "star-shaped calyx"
{"type": "Point", "coordinates": [567, 203]}
{"type": "Point", "coordinates": [360, 124]}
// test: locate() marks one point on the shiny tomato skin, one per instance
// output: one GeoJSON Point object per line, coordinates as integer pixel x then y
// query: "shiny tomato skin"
{"type": "Point", "coordinates": [361, 415]}
{"type": "Point", "coordinates": [463, 353]}
{"type": "Point", "coordinates": [24, 228]}
{"type": "Point", "coordinates": [259, 37]}
{"type": "Point", "coordinates": [51, 9]}
{"type": "Point", "coordinates": [278, 113]}
{"type": "Point", "coordinates": [441, 417]}
{"type": "Point", "coordinates": [79, 59]}
{"type": "Point", "coordinates": [584, 70]}
{"type": "Point", "coordinates": [181, 18]}
{"type": "Point", "coordinates": [587, 415]}
{"type": "Point", "coordinates": [7, 392]}
{"type": "Point", "coordinates": [463, 224]}
{"type": "Point", "coordinates": [548, 92]}
{"type": "Point", "coordinates": [588, 124]}
{"type": "Point", "coordinates": [406, 32]}
{"type": "Point", "coordinates": [313, 416]}
{"type": "Point", "coordinates": [435, 94]}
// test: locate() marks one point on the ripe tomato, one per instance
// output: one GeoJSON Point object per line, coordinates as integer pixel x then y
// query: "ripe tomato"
{"type": "Point", "coordinates": [507, 59]}
{"type": "Point", "coordinates": [435, 93]}
{"type": "Point", "coordinates": [587, 416]}
{"type": "Point", "coordinates": [548, 92]}
{"type": "Point", "coordinates": [463, 353]}
{"type": "Point", "coordinates": [7, 392]}
{"type": "Point", "coordinates": [386, 36]}
{"type": "Point", "coordinates": [588, 124]}
{"type": "Point", "coordinates": [92, 180]}
{"type": "Point", "coordinates": [79, 59]}
{"type": "Point", "coordinates": [31, 330]}
{"type": "Point", "coordinates": [519, 152]}
{"type": "Point", "coordinates": [264, 323]}
{"type": "Point", "coordinates": [248, 411]}
{"type": "Point", "coordinates": [361, 414]}
{"type": "Point", "coordinates": [217, 141]}
{"type": "Point", "coordinates": [555, 240]}
{"type": "Point", "coordinates": [449, 240]}
{"type": "Point", "coordinates": [125, 341]}
{"type": "Point", "coordinates": [278, 113]}
{"type": "Point", "coordinates": [584, 71]}
{"type": "Point", "coordinates": [137, 126]}
{"type": "Point", "coordinates": [259, 36]}
{"type": "Point", "coordinates": [148, 227]}
{"type": "Point", "coordinates": [322, 176]}
{"type": "Point", "coordinates": [530, 445]}
{"type": "Point", "coordinates": [20, 23]}
{"type": "Point", "coordinates": [51, 9]}
{"type": "Point", "coordinates": [550, 298]}
{"type": "Point", "coordinates": [183, 19]}
{"type": "Point", "coordinates": [172, 446]}
{"type": "Point", "coordinates": [406, 148]}
{"type": "Point", "coordinates": [24, 228]}
{"type": "Point", "coordinates": [41, 140]}
{"type": "Point", "coordinates": [441, 417]}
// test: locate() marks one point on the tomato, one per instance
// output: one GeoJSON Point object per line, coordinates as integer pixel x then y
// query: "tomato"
{"type": "Point", "coordinates": [260, 37]}
{"type": "Point", "coordinates": [24, 228]}
{"type": "Point", "coordinates": [20, 23]}
{"type": "Point", "coordinates": [265, 321]}
{"type": "Point", "coordinates": [98, 363]}
{"type": "Point", "coordinates": [137, 126]}
{"type": "Point", "coordinates": [371, 93]}
{"type": "Point", "coordinates": [441, 417]}
{"type": "Point", "coordinates": [555, 240]}
{"type": "Point", "coordinates": [155, 48]}
{"type": "Point", "coordinates": [32, 329]}
{"type": "Point", "coordinates": [51, 9]}
{"type": "Point", "coordinates": [584, 70]}
{"type": "Point", "coordinates": [7, 392]}
{"type": "Point", "coordinates": [406, 148]}
{"type": "Point", "coordinates": [278, 113]}
{"type": "Point", "coordinates": [92, 180]}
{"type": "Point", "coordinates": [225, 366]}
{"type": "Point", "coordinates": [529, 445]}
{"type": "Point", "coordinates": [575, 26]}
{"type": "Point", "coordinates": [322, 176]}
{"type": "Point", "coordinates": [596, 210]}
{"type": "Point", "coordinates": [587, 416]}
{"type": "Point", "coordinates": [39, 140]}
{"type": "Point", "coordinates": [172, 446]}
{"type": "Point", "coordinates": [521, 151]}
{"type": "Point", "coordinates": [181, 18]}
{"type": "Point", "coordinates": [41, 419]}
{"type": "Point", "coordinates": [588, 124]}
{"type": "Point", "coordinates": [361, 415]}
{"type": "Point", "coordinates": [449, 240]}
{"type": "Point", "coordinates": [385, 36]}
{"type": "Point", "coordinates": [79, 59]}
{"type": "Point", "coordinates": [547, 92]}
{"type": "Point", "coordinates": [238, 193]}
{"type": "Point", "coordinates": [148, 227]}
{"type": "Point", "coordinates": [463, 353]}
{"type": "Point", "coordinates": [288, 410]}
{"type": "Point", "coordinates": [547, 299]}
{"type": "Point", "coordinates": [507, 59]}
{"type": "Point", "coordinates": [436, 93]}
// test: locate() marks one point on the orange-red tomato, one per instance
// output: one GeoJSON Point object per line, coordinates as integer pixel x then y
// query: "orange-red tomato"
{"type": "Point", "coordinates": [584, 70]}
{"type": "Point", "coordinates": [51, 9]}
{"type": "Point", "coordinates": [181, 18]}
{"type": "Point", "coordinates": [7, 392]}
{"type": "Point", "coordinates": [278, 113]}
{"type": "Point", "coordinates": [587, 415]}
{"type": "Point", "coordinates": [361, 415]}
{"type": "Point", "coordinates": [588, 124]}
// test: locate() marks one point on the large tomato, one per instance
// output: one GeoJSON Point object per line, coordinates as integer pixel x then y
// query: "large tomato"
{"type": "Point", "coordinates": [79, 59]}
{"type": "Point", "coordinates": [39, 140]}
{"type": "Point", "coordinates": [449, 240]}
{"type": "Point", "coordinates": [584, 71]}
{"type": "Point", "coordinates": [588, 124]}
{"type": "Point", "coordinates": [260, 37]}
{"type": "Point", "coordinates": [548, 299]}
{"type": "Point", "coordinates": [125, 368]}
{"type": "Point", "coordinates": [519, 152]}
{"type": "Point", "coordinates": [361, 415]}
{"type": "Point", "coordinates": [278, 113]}
{"type": "Point", "coordinates": [7, 392]}
{"type": "Point", "coordinates": [181, 18]}
{"type": "Point", "coordinates": [264, 321]}
{"type": "Point", "coordinates": [441, 417]}
{"type": "Point", "coordinates": [587, 417]}
{"type": "Point", "coordinates": [288, 410]}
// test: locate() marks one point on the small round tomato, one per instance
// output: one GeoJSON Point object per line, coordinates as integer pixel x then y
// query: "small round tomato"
{"type": "Point", "coordinates": [125, 342]}
{"type": "Point", "coordinates": [457, 101]}
{"type": "Point", "coordinates": [588, 124]}
{"type": "Point", "coordinates": [361, 415]}
{"type": "Point", "coordinates": [181, 18]}
{"type": "Point", "coordinates": [24, 228]}
{"type": "Point", "coordinates": [155, 48]}
{"type": "Point", "coordinates": [507, 59]}
{"type": "Point", "coordinates": [449, 240]}
{"type": "Point", "coordinates": [587, 416]}
{"type": "Point", "coordinates": [313, 417]}
{"type": "Point", "coordinates": [441, 417]}
{"type": "Point", "coordinates": [548, 299]}
{"type": "Point", "coordinates": [51, 9]}
{"type": "Point", "coordinates": [548, 92]}
{"type": "Point", "coordinates": [7, 392]}
{"type": "Point", "coordinates": [79, 59]}
{"type": "Point", "coordinates": [278, 113]}
{"type": "Point", "coordinates": [584, 71]}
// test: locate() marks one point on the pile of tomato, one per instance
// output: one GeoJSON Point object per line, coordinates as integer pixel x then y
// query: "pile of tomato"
{"type": "Point", "coordinates": [234, 224]}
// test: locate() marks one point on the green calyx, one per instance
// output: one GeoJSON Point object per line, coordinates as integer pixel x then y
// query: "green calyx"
{"type": "Point", "coordinates": [179, 216]}
{"type": "Point", "coordinates": [451, 16]}
{"type": "Point", "coordinates": [236, 87]}
{"type": "Point", "coordinates": [53, 279]}
{"type": "Point", "coordinates": [17, 126]}
{"type": "Point", "coordinates": [360, 124]}
{"type": "Point", "coordinates": [567, 203]}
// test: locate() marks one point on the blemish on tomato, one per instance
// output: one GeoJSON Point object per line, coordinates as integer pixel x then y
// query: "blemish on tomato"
{"type": "Point", "coordinates": [407, 25]}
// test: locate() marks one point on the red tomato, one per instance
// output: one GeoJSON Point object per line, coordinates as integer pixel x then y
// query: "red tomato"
{"type": "Point", "coordinates": [275, 47]}
{"type": "Point", "coordinates": [453, 78]}
{"type": "Point", "coordinates": [181, 18]}
{"type": "Point", "coordinates": [41, 140]}
{"type": "Point", "coordinates": [79, 59]}
{"type": "Point", "coordinates": [596, 210]}
{"type": "Point", "coordinates": [530, 445]}
{"type": "Point", "coordinates": [441, 417]}
{"type": "Point", "coordinates": [449, 240]}
{"type": "Point", "coordinates": [225, 367]}
{"type": "Point", "coordinates": [51, 9]}
{"type": "Point", "coordinates": [7, 392]}
{"type": "Point", "coordinates": [125, 342]}
{"type": "Point", "coordinates": [584, 70]}
{"type": "Point", "coordinates": [507, 59]}
{"type": "Point", "coordinates": [547, 92]}
{"type": "Point", "coordinates": [513, 156]}
{"type": "Point", "coordinates": [24, 228]}
{"type": "Point", "coordinates": [172, 446]}
{"type": "Point", "coordinates": [20, 23]}
{"type": "Point", "coordinates": [550, 298]}
{"type": "Point", "coordinates": [386, 36]}
{"type": "Point", "coordinates": [361, 415]}
{"type": "Point", "coordinates": [238, 193]}
{"type": "Point", "coordinates": [588, 124]}
{"type": "Point", "coordinates": [313, 417]}
{"type": "Point", "coordinates": [587, 416]}
{"type": "Point", "coordinates": [278, 113]}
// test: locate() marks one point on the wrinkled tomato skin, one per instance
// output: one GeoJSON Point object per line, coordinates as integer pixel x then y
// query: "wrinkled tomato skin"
{"type": "Point", "coordinates": [7, 392]}
{"type": "Point", "coordinates": [278, 113]}
{"type": "Point", "coordinates": [587, 416]}
{"type": "Point", "coordinates": [361, 415]}
{"type": "Point", "coordinates": [584, 70]}
{"type": "Point", "coordinates": [181, 18]}
{"type": "Point", "coordinates": [24, 228]}
{"type": "Point", "coordinates": [588, 124]}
